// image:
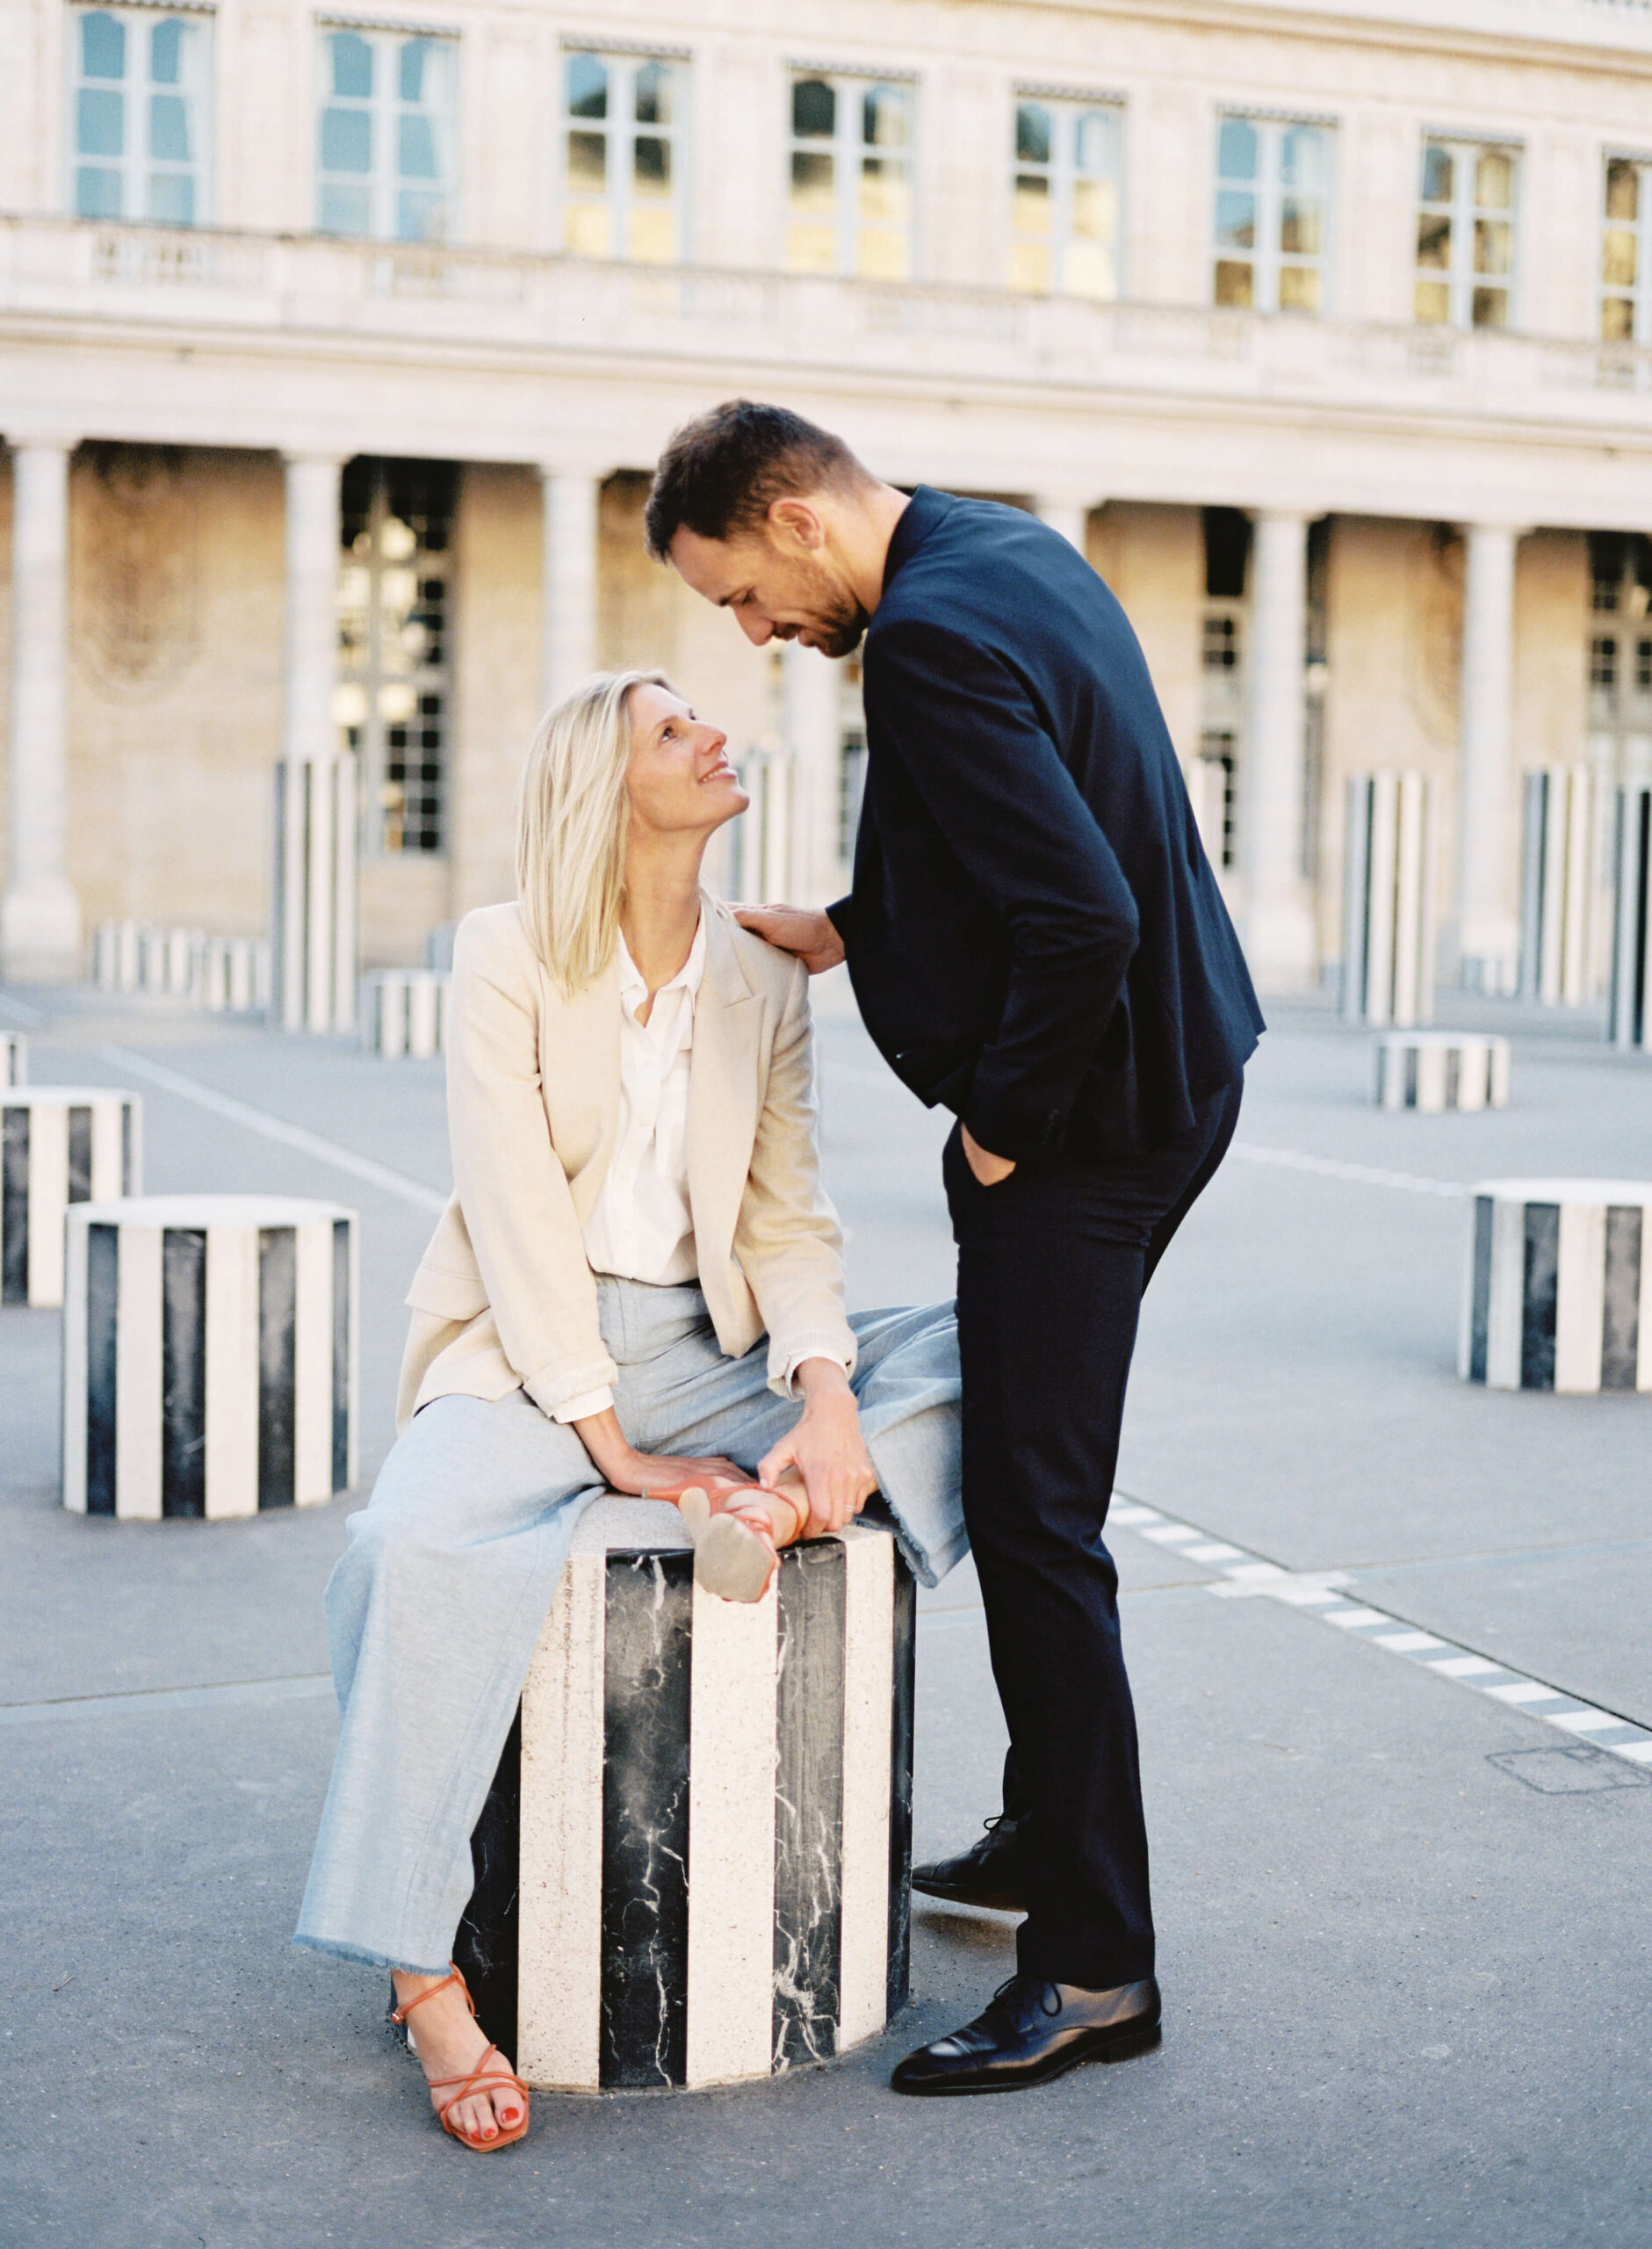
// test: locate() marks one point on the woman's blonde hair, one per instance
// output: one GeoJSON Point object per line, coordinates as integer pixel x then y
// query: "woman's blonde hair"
{"type": "Point", "coordinates": [570, 823]}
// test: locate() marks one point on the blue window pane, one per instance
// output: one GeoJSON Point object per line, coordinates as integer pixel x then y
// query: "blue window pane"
{"type": "Point", "coordinates": [347, 140]}
{"type": "Point", "coordinates": [421, 216]}
{"type": "Point", "coordinates": [97, 192]}
{"type": "Point", "coordinates": [172, 199]}
{"type": "Point", "coordinates": [1236, 149]}
{"type": "Point", "coordinates": [170, 128]}
{"type": "Point", "coordinates": [655, 86]}
{"type": "Point", "coordinates": [344, 210]}
{"type": "Point", "coordinates": [588, 86]}
{"type": "Point", "coordinates": [1032, 134]}
{"type": "Point", "coordinates": [1236, 220]}
{"type": "Point", "coordinates": [353, 64]}
{"type": "Point", "coordinates": [1302, 157]}
{"type": "Point", "coordinates": [417, 70]}
{"type": "Point", "coordinates": [166, 52]}
{"type": "Point", "coordinates": [103, 48]}
{"type": "Point", "coordinates": [100, 123]}
{"type": "Point", "coordinates": [415, 149]}
{"type": "Point", "coordinates": [814, 110]}
{"type": "Point", "coordinates": [1096, 149]}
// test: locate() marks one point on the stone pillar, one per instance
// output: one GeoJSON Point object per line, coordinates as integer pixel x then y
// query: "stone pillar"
{"type": "Point", "coordinates": [39, 915]}
{"type": "Point", "coordinates": [311, 645]}
{"type": "Point", "coordinates": [312, 932]}
{"type": "Point", "coordinates": [1069, 518]}
{"type": "Point", "coordinates": [1278, 922]}
{"type": "Point", "coordinates": [1488, 934]}
{"type": "Point", "coordinates": [814, 735]}
{"type": "Point", "coordinates": [570, 581]}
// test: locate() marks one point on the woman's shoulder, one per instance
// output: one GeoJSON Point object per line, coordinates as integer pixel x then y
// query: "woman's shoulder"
{"type": "Point", "coordinates": [766, 968]}
{"type": "Point", "coordinates": [492, 933]}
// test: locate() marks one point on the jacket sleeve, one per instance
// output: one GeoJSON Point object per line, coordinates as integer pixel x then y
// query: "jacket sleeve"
{"type": "Point", "coordinates": [970, 737]}
{"type": "Point", "coordinates": [787, 1238]}
{"type": "Point", "coordinates": [514, 1193]}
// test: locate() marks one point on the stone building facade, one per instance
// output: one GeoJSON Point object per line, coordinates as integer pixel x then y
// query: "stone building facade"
{"type": "Point", "coordinates": [336, 347]}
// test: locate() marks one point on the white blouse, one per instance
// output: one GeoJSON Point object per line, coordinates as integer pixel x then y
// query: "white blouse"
{"type": "Point", "coordinates": [641, 1227]}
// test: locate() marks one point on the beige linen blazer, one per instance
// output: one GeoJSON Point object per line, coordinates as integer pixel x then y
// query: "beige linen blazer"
{"type": "Point", "coordinates": [503, 1297]}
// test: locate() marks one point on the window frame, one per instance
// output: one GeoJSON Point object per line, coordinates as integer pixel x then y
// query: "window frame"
{"type": "Point", "coordinates": [1638, 293]}
{"type": "Point", "coordinates": [1459, 274]}
{"type": "Point", "coordinates": [134, 169]}
{"type": "Point", "coordinates": [385, 182]}
{"type": "Point", "coordinates": [848, 150]}
{"type": "Point", "coordinates": [617, 201]}
{"type": "Point", "coordinates": [371, 675]}
{"type": "Point", "coordinates": [1268, 260]}
{"type": "Point", "coordinates": [1067, 108]}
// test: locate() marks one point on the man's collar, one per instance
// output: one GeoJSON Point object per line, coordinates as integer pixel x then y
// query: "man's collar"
{"type": "Point", "coordinates": [917, 519]}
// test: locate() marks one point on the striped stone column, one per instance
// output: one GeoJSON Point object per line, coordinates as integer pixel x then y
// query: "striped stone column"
{"type": "Point", "coordinates": [1561, 912]}
{"type": "Point", "coordinates": [404, 1013]}
{"type": "Point", "coordinates": [1389, 928]}
{"type": "Point", "coordinates": [1436, 1070]}
{"type": "Point", "coordinates": [1560, 1286]}
{"type": "Point", "coordinates": [60, 1146]}
{"type": "Point", "coordinates": [1631, 1010]}
{"type": "Point", "coordinates": [312, 944]}
{"type": "Point", "coordinates": [166, 962]}
{"type": "Point", "coordinates": [233, 976]}
{"type": "Point", "coordinates": [115, 954]}
{"type": "Point", "coordinates": [693, 1866]}
{"type": "Point", "coordinates": [14, 1059]}
{"type": "Point", "coordinates": [209, 1355]}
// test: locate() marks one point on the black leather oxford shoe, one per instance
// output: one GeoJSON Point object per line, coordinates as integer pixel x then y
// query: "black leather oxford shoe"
{"type": "Point", "coordinates": [989, 1873]}
{"type": "Point", "coordinates": [1033, 2030]}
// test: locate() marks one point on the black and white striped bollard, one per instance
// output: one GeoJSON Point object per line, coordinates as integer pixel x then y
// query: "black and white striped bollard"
{"type": "Point", "coordinates": [1630, 1011]}
{"type": "Point", "coordinates": [234, 975]}
{"type": "Point", "coordinates": [693, 1866]}
{"type": "Point", "coordinates": [1560, 1285]}
{"type": "Point", "coordinates": [1435, 1070]}
{"type": "Point", "coordinates": [404, 1013]}
{"type": "Point", "coordinates": [60, 1146]}
{"type": "Point", "coordinates": [1389, 929]}
{"type": "Point", "coordinates": [209, 1354]}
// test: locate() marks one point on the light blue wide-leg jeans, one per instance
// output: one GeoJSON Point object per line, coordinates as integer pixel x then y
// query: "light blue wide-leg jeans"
{"type": "Point", "coordinates": [435, 1606]}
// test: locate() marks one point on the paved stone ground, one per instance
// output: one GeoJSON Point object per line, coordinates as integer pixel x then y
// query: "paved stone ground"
{"type": "Point", "coordinates": [1403, 1925]}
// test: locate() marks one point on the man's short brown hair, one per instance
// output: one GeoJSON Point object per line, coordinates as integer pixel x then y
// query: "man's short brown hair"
{"type": "Point", "coordinates": [722, 472]}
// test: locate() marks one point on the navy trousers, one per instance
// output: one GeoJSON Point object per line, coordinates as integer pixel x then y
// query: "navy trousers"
{"type": "Point", "coordinates": [1052, 1266]}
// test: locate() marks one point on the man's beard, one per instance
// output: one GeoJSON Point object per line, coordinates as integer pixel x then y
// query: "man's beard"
{"type": "Point", "coordinates": [841, 635]}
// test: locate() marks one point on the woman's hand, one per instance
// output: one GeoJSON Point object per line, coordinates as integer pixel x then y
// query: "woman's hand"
{"type": "Point", "coordinates": [627, 1470]}
{"type": "Point", "coordinates": [988, 1168]}
{"type": "Point", "coordinates": [826, 1449]}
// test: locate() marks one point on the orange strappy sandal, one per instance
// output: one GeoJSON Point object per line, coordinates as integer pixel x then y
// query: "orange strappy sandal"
{"type": "Point", "coordinates": [482, 2079]}
{"type": "Point", "coordinates": [735, 1555]}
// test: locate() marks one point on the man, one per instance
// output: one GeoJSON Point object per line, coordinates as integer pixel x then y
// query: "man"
{"type": "Point", "coordinates": [1036, 940]}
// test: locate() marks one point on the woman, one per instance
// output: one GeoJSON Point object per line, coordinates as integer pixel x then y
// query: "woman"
{"type": "Point", "coordinates": [636, 1281]}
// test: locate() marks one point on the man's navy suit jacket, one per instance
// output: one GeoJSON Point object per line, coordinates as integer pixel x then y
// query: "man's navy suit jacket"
{"type": "Point", "coordinates": [1034, 935]}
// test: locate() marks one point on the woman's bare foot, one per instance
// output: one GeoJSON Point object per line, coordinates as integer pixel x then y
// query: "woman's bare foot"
{"type": "Point", "coordinates": [449, 2043]}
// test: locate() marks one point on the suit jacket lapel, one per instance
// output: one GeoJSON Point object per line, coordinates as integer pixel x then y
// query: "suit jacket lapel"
{"type": "Point", "coordinates": [722, 1090]}
{"type": "Point", "coordinates": [579, 1064]}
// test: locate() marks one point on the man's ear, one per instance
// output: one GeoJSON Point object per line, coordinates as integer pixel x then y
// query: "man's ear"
{"type": "Point", "coordinates": [798, 523]}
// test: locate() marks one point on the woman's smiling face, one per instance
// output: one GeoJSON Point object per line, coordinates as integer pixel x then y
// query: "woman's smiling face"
{"type": "Point", "coordinates": [678, 778]}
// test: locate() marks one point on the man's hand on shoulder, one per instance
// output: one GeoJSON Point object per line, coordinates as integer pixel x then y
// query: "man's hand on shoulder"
{"type": "Point", "coordinates": [812, 937]}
